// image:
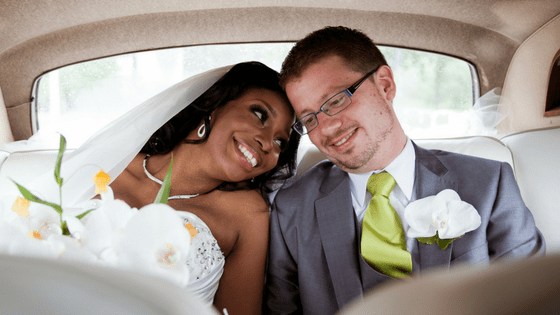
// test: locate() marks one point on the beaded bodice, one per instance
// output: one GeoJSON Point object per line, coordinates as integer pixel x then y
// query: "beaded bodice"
{"type": "Point", "coordinates": [206, 260]}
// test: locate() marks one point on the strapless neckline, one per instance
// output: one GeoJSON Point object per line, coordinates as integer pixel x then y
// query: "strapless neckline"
{"type": "Point", "coordinates": [206, 259]}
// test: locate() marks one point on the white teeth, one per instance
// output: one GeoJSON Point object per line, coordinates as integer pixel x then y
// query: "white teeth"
{"type": "Point", "coordinates": [343, 140]}
{"type": "Point", "coordinates": [248, 156]}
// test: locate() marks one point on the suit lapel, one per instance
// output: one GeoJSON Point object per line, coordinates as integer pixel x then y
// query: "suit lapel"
{"type": "Point", "coordinates": [430, 180]}
{"type": "Point", "coordinates": [335, 218]}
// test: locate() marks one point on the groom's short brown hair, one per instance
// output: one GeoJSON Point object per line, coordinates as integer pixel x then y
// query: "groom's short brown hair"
{"type": "Point", "coordinates": [356, 48]}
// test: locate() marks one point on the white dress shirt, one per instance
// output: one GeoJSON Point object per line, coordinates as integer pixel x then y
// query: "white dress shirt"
{"type": "Point", "coordinates": [403, 171]}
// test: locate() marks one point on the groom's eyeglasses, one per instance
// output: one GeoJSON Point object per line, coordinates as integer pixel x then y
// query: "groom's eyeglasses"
{"type": "Point", "coordinates": [331, 107]}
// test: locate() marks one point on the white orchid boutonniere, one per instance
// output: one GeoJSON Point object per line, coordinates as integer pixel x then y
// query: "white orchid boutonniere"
{"type": "Point", "coordinates": [441, 218]}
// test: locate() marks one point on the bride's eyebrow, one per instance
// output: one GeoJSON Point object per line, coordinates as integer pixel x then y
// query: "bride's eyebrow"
{"type": "Point", "coordinates": [271, 110]}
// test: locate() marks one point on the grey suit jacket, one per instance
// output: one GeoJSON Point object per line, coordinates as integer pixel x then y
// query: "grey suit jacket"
{"type": "Point", "coordinates": [315, 266]}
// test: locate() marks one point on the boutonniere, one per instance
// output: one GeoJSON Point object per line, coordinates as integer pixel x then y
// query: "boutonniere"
{"type": "Point", "coordinates": [441, 218]}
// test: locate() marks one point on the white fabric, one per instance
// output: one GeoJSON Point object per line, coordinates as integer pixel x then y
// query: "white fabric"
{"type": "Point", "coordinates": [206, 260]}
{"type": "Point", "coordinates": [490, 113]}
{"type": "Point", "coordinates": [23, 167]}
{"type": "Point", "coordinates": [113, 147]}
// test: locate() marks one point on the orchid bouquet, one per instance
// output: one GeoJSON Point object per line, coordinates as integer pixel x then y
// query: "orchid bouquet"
{"type": "Point", "coordinates": [108, 232]}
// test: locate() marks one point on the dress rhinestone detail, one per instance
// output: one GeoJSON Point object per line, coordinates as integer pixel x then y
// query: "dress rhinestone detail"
{"type": "Point", "coordinates": [204, 253]}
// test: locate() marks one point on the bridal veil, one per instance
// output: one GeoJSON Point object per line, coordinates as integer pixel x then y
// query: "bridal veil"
{"type": "Point", "coordinates": [112, 148]}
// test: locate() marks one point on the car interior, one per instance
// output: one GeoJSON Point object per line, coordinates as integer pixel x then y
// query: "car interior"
{"type": "Point", "coordinates": [510, 51]}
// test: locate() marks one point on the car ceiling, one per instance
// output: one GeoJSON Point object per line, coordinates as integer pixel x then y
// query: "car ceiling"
{"type": "Point", "coordinates": [23, 20]}
{"type": "Point", "coordinates": [38, 36]}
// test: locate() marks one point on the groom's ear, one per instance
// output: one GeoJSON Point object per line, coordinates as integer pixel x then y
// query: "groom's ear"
{"type": "Point", "coordinates": [384, 79]}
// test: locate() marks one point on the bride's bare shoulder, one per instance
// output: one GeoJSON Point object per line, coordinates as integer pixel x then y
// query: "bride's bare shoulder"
{"type": "Point", "coordinates": [249, 201]}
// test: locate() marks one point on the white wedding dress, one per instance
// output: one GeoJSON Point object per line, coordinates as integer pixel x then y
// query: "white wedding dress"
{"type": "Point", "coordinates": [206, 260]}
{"type": "Point", "coordinates": [114, 147]}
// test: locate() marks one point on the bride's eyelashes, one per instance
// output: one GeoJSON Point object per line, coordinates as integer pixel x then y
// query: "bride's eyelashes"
{"type": "Point", "coordinates": [262, 114]}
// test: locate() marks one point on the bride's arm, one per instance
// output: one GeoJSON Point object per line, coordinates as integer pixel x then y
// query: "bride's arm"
{"type": "Point", "coordinates": [241, 286]}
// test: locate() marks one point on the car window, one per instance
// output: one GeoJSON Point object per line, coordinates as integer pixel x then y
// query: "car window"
{"type": "Point", "coordinates": [435, 93]}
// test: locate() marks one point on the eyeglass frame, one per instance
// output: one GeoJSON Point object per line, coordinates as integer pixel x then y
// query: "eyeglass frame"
{"type": "Point", "coordinates": [349, 92]}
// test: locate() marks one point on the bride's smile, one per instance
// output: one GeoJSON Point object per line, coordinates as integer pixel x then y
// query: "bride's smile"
{"type": "Point", "coordinates": [247, 156]}
{"type": "Point", "coordinates": [249, 133]}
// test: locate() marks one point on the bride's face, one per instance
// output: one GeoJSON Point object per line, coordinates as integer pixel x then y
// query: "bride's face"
{"type": "Point", "coordinates": [249, 133]}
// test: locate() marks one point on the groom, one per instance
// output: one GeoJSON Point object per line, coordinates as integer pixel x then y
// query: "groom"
{"type": "Point", "coordinates": [338, 231]}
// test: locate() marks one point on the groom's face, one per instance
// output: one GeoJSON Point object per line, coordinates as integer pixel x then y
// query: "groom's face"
{"type": "Point", "coordinates": [354, 139]}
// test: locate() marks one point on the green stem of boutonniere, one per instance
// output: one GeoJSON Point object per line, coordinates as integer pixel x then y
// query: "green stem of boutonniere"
{"type": "Point", "coordinates": [442, 243]}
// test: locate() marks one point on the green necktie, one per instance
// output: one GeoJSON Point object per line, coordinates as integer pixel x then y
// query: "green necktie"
{"type": "Point", "coordinates": [383, 240]}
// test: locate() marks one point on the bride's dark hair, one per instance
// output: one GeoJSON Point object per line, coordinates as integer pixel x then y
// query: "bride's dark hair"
{"type": "Point", "coordinates": [232, 85]}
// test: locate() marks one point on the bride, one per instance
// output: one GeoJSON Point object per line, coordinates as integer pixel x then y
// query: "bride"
{"type": "Point", "coordinates": [228, 132]}
{"type": "Point", "coordinates": [227, 148]}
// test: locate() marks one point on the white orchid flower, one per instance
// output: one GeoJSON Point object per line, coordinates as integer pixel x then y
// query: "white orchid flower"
{"type": "Point", "coordinates": [30, 232]}
{"type": "Point", "coordinates": [75, 226]}
{"type": "Point", "coordinates": [443, 214]}
{"type": "Point", "coordinates": [104, 226]}
{"type": "Point", "coordinates": [10, 226]}
{"type": "Point", "coordinates": [9, 230]}
{"type": "Point", "coordinates": [42, 221]}
{"type": "Point", "coordinates": [155, 240]}
{"type": "Point", "coordinates": [106, 231]}
{"type": "Point", "coordinates": [7, 214]}
{"type": "Point", "coordinates": [23, 245]}
{"type": "Point", "coordinates": [73, 249]}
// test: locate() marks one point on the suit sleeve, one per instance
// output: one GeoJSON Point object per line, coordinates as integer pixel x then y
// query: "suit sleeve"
{"type": "Point", "coordinates": [511, 231]}
{"type": "Point", "coordinates": [281, 290]}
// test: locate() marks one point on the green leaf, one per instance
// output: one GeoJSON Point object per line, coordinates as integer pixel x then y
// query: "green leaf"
{"type": "Point", "coordinates": [163, 193]}
{"type": "Point", "coordinates": [31, 197]}
{"type": "Point", "coordinates": [61, 150]}
{"type": "Point", "coordinates": [428, 240]}
{"type": "Point", "coordinates": [64, 227]}
{"type": "Point", "coordinates": [443, 243]}
{"type": "Point", "coordinates": [80, 216]}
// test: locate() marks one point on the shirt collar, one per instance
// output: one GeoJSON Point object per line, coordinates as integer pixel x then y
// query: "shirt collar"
{"type": "Point", "coordinates": [401, 168]}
